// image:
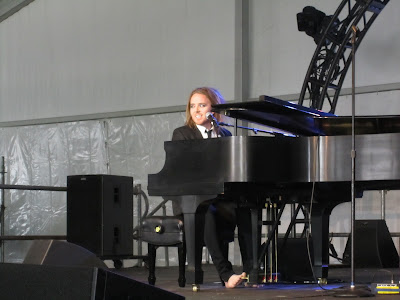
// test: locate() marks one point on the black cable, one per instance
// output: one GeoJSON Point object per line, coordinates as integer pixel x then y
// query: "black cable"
{"type": "Point", "coordinates": [337, 258]}
{"type": "Point", "coordinates": [334, 253]}
{"type": "Point", "coordinates": [146, 203]}
{"type": "Point", "coordinates": [312, 296]}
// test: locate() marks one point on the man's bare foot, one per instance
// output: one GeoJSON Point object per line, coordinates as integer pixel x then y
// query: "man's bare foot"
{"type": "Point", "coordinates": [234, 280]}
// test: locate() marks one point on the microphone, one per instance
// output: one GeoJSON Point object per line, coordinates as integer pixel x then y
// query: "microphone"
{"type": "Point", "coordinates": [213, 120]}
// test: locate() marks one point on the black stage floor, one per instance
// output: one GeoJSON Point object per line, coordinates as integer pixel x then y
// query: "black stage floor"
{"type": "Point", "coordinates": [338, 284]}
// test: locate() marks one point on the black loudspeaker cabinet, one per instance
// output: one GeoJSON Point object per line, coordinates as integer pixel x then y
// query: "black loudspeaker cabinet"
{"type": "Point", "coordinates": [25, 281]}
{"type": "Point", "coordinates": [100, 214]}
{"type": "Point", "coordinates": [293, 262]}
{"type": "Point", "coordinates": [374, 247]}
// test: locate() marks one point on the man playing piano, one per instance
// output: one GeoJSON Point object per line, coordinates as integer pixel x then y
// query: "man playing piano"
{"type": "Point", "coordinates": [222, 215]}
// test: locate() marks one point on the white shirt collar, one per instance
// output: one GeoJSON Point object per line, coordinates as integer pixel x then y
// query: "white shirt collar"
{"type": "Point", "coordinates": [204, 130]}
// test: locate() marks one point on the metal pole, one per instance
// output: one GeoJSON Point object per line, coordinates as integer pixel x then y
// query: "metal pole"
{"type": "Point", "coordinates": [353, 156]}
{"type": "Point", "coordinates": [164, 209]}
{"type": "Point", "coordinates": [138, 189]}
{"type": "Point", "coordinates": [383, 202]}
{"type": "Point", "coordinates": [32, 237]}
{"type": "Point", "coordinates": [33, 187]}
{"type": "Point", "coordinates": [292, 214]}
{"type": "Point", "coordinates": [2, 208]}
{"type": "Point", "coordinates": [236, 127]}
{"type": "Point", "coordinates": [105, 128]}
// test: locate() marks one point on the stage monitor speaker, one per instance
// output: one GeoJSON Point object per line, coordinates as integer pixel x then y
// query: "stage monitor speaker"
{"type": "Point", "coordinates": [374, 247]}
{"type": "Point", "coordinates": [61, 253]}
{"type": "Point", "coordinates": [293, 261]}
{"type": "Point", "coordinates": [24, 281]}
{"type": "Point", "coordinates": [100, 214]}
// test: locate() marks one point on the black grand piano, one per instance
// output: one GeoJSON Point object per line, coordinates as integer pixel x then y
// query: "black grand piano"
{"type": "Point", "coordinates": [312, 165]}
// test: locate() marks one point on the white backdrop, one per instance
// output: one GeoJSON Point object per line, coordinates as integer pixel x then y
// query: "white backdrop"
{"type": "Point", "coordinates": [72, 57]}
{"type": "Point", "coordinates": [47, 154]}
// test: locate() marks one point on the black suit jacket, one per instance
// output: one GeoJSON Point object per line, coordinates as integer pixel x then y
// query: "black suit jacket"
{"type": "Point", "coordinates": [188, 133]}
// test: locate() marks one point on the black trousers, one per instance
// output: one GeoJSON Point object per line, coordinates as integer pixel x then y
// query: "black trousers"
{"type": "Point", "coordinates": [221, 219]}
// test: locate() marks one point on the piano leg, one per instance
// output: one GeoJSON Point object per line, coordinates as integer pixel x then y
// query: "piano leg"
{"type": "Point", "coordinates": [194, 233]}
{"type": "Point", "coordinates": [193, 208]}
{"type": "Point", "coordinates": [253, 276]}
{"type": "Point", "coordinates": [320, 235]}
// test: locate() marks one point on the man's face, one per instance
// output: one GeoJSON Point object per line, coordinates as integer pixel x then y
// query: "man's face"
{"type": "Point", "coordinates": [199, 106]}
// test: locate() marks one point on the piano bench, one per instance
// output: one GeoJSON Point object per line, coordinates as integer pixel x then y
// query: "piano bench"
{"type": "Point", "coordinates": [164, 231]}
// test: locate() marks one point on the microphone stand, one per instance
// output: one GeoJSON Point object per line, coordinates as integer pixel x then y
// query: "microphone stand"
{"type": "Point", "coordinates": [353, 155]}
{"type": "Point", "coordinates": [353, 291]}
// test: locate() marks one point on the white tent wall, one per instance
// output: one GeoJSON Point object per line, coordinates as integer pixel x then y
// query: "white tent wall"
{"type": "Point", "coordinates": [71, 57]}
{"type": "Point", "coordinates": [63, 59]}
{"type": "Point", "coordinates": [74, 60]}
{"type": "Point", "coordinates": [46, 154]}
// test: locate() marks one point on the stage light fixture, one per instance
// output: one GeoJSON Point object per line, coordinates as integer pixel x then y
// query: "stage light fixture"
{"type": "Point", "coordinates": [313, 22]}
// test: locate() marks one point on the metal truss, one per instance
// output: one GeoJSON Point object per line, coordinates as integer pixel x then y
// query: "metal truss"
{"type": "Point", "coordinates": [332, 56]}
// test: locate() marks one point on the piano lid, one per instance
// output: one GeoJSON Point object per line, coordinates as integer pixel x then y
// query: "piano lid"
{"type": "Point", "coordinates": [305, 121]}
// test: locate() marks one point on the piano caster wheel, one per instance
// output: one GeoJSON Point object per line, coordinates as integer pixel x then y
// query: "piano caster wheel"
{"type": "Point", "coordinates": [195, 287]}
{"type": "Point", "coordinates": [322, 281]}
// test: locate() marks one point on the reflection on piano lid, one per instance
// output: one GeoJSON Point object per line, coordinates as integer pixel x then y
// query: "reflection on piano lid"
{"type": "Point", "coordinates": [301, 120]}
